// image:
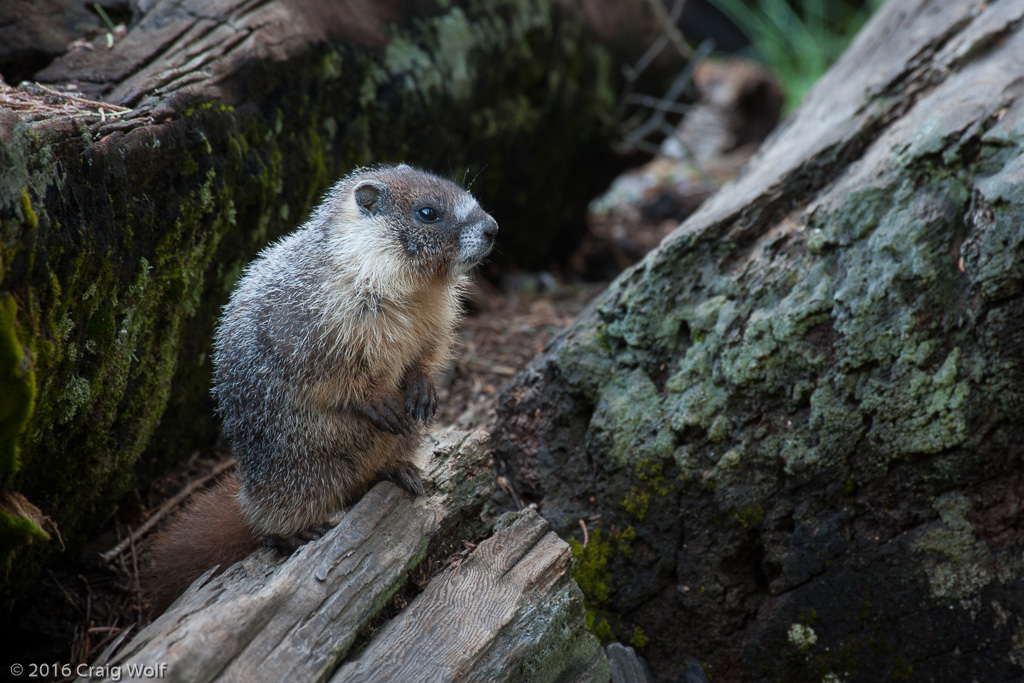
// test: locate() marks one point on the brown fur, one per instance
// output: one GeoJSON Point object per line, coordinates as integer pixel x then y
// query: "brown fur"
{"type": "Point", "coordinates": [208, 532]}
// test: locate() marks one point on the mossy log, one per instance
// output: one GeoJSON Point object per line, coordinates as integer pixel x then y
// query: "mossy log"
{"type": "Point", "coordinates": [400, 589]}
{"type": "Point", "coordinates": [797, 424]}
{"type": "Point", "coordinates": [123, 227]}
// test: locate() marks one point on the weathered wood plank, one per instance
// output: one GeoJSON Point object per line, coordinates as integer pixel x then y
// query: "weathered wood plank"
{"type": "Point", "coordinates": [626, 667]}
{"type": "Point", "coordinates": [294, 619]}
{"type": "Point", "coordinates": [195, 46]}
{"type": "Point", "coordinates": [498, 616]}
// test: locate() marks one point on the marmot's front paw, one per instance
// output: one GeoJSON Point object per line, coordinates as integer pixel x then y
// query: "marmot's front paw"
{"type": "Point", "coordinates": [385, 413]}
{"type": "Point", "coordinates": [420, 396]}
{"type": "Point", "coordinates": [287, 546]}
{"type": "Point", "coordinates": [406, 475]}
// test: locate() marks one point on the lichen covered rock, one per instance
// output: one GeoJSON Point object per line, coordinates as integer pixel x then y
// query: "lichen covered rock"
{"type": "Point", "coordinates": [803, 409]}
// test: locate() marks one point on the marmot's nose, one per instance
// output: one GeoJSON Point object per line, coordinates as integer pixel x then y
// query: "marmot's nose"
{"type": "Point", "coordinates": [490, 230]}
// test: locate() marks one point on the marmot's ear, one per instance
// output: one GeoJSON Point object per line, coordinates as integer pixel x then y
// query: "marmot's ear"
{"type": "Point", "coordinates": [369, 195]}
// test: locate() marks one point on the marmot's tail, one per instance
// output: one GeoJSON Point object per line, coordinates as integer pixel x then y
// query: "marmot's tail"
{"type": "Point", "coordinates": [208, 532]}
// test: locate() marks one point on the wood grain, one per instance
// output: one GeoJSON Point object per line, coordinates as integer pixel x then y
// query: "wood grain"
{"type": "Point", "coordinates": [494, 617]}
{"type": "Point", "coordinates": [275, 619]}
{"type": "Point", "coordinates": [509, 611]}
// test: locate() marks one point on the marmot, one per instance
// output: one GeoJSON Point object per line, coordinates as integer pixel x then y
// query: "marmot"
{"type": "Point", "coordinates": [325, 359]}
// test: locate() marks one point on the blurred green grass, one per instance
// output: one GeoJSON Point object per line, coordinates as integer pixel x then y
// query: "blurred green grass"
{"type": "Point", "coordinates": [798, 39]}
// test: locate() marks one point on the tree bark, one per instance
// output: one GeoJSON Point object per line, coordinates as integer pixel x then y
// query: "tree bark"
{"type": "Point", "coordinates": [798, 421]}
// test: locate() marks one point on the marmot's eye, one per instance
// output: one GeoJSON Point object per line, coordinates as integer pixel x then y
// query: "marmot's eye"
{"type": "Point", "coordinates": [428, 215]}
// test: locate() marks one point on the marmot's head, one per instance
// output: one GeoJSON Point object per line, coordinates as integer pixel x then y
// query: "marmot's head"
{"type": "Point", "coordinates": [437, 226]}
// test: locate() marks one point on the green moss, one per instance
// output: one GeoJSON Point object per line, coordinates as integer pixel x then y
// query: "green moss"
{"type": "Point", "coordinates": [18, 379]}
{"type": "Point", "coordinates": [636, 503]}
{"type": "Point", "coordinates": [624, 541]}
{"type": "Point", "coordinates": [27, 212]}
{"type": "Point", "coordinates": [16, 531]}
{"type": "Point", "coordinates": [750, 516]}
{"type": "Point", "coordinates": [560, 649]}
{"type": "Point", "coordinates": [639, 638]}
{"type": "Point", "coordinates": [107, 369]}
{"type": "Point", "coordinates": [599, 626]}
{"type": "Point", "coordinates": [604, 631]}
{"type": "Point", "coordinates": [189, 166]}
{"type": "Point", "coordinates": [653, 484]}
{"type": "Point", "coordinates": [590, 567]}
{"type": "Point", "coordinates": [592, 573]}
{"type": "Point", "coordinates": [866, 356]}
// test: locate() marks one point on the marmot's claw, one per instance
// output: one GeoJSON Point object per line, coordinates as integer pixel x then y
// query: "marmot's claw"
{"type": "Point", "coordinates": [406, 475]}
{"type": "Point", "coordinates": [314, 532]}
{"type": "Point", "coordinates": [420, 397]}
{"type": "Point", "coordinates": [387, 415]}
{"type": "Point", "coordinates": [287, 546]}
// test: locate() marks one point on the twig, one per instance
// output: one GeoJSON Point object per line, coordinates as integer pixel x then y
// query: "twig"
{"type": "Point", "coordinates": [112, 648]}
{"type": "Point", "coordinates": [169, 505]}
{"type": "Point", "coordinates": [658, 103]}
{"type": "Point", "coordinates": [82, 100]}
{"type": "Point", "coordinates": [633, 72]}
{"type": "Point", "coordinates": [668, 27]}
{"type": "Point", "coordinates": [135, 581]}
{"type": "Point", "coordinates": [67, 594]}
{"type": "Point", "coordinates": [505, 484]}
{"type": "Point", "coordinates": [493, 367]}
{"type": "Point", "coordinates": [641, 129]}
{"type": "Point", "coordinates": [655, 121]}
{"type": "Point", "coordinates": [670, 21]}
{"type": "Point", "coordinates": [586, 536]}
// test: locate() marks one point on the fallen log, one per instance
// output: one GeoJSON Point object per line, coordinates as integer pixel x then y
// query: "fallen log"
{"type": "Point", "coordinates": [505, 609]}
{"type": "Point", "coordinates": [798, 420]}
